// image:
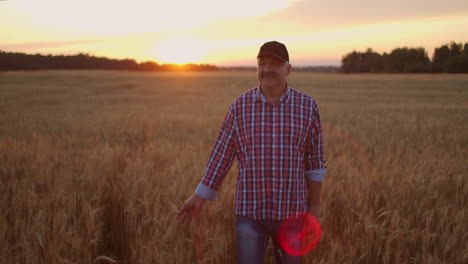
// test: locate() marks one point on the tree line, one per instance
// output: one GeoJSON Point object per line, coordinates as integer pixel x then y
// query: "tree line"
{"type": "Point", "coordinates": [22, 61]}
{"type": "Point", "coordinates": [448, 58]}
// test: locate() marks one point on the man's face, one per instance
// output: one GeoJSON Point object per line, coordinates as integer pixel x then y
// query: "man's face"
{"type": "Point", "coordinates": [271, 71]}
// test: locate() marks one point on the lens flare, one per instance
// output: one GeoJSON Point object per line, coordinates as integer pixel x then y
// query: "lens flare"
{"type": "Point", "coordinates": [299, 241]}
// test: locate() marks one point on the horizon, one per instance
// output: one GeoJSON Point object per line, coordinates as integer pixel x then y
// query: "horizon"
{"type": "Point", "coordinates": [159, 63]}
{"type": "Point", "coordinates": [315, 35]}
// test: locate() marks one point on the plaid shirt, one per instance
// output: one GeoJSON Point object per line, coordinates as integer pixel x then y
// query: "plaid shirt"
{"type": "Point", "coordinates": [278, 146]}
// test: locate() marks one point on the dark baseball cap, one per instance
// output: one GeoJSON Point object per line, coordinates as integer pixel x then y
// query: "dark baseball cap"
{"type": "Point", "coordinates": [275, 49]}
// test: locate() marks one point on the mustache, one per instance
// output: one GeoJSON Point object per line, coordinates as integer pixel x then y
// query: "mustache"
{"type": "Point", "coordinates": [269, 74]}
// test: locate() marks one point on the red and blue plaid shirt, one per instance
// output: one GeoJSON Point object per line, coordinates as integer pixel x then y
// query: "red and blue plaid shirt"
{"type": "Point", "coordinates": [277, 145]}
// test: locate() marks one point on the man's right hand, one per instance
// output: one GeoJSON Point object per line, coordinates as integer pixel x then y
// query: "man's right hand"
{"type": "Point", "coordinates": [191, 208]}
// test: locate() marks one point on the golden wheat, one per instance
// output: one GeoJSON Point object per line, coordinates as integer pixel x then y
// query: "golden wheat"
{"type": "Point", "coordinates": [95, 164]}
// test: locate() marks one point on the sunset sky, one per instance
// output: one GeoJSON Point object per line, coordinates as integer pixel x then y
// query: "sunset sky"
{"type": "Point", "coordinates": [228, 33]}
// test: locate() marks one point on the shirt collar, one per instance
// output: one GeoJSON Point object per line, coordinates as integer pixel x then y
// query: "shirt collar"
{"type": "Point", "coordinates": [259, 97]}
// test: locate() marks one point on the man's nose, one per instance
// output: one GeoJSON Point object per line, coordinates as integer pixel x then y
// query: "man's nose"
{"type": "Point", "coordinates": [268, 67]}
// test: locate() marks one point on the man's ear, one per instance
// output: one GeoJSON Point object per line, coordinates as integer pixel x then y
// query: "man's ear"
{"type": "Point", "coordinates": [289, 68]}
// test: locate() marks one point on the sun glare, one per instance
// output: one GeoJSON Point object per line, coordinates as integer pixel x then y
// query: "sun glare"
{"type": "Point", "coordinates": [181, 50]}
{"type": "Point", "coordinates": [119, 17]}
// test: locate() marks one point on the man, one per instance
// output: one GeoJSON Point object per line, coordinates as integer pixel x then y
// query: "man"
{"type": "Point", "coordinates": [274, 132]}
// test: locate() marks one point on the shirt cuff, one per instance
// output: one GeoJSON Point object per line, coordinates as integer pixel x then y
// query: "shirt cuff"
{"type": "Point", "coordinates": [206, 193]}
{"type": "Point", "coordinates": [316, 175]}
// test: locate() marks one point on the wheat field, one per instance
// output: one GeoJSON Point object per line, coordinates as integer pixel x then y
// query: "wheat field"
{"type": "Point", "coordinates": [95, 164]}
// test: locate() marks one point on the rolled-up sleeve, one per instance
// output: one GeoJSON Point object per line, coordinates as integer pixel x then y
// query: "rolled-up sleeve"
{"type": "Point", "coordinates": [315, 168]}
{"type": "Point", "coordinates": [221, 158]}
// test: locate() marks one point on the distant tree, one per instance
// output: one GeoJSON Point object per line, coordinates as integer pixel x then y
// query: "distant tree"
{"type": "Point", "coordinates": [455, 49]}
{"type": "Point", "coordinates": [148, 66]}
{"type": "Point", "coordinates": [129, 64]}
{"type": "Point", "coordinates": [409, 60]}
{"type": "Point", "coordinates": [395, 61]}
{"type": "Point", "coordinates": [441, 54]}
{"type": "Point", "coordinates": [21, 61]}
{"type": "Point", "coordinates": [457, 64]}
{"type": "Point", "coordinates": [368, 61]}
{"type": "Point", "coordinates": [349, 62]}
{"type": "Point", "coordinates": [451, 58]}
{"type": "Point", "coordinates": [373, 61]}
{"type": "Point", "coordinates": [417, 61]}
{"type": "Point", "coordinates": [385, 62]}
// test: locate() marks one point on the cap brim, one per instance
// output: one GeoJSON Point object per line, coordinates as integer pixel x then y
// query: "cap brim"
{"type": "Point", "coordinates": [271, 54]}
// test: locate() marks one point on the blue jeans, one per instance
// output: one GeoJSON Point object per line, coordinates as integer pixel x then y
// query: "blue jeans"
{"type": "Point", "coordinates": [252, 240]}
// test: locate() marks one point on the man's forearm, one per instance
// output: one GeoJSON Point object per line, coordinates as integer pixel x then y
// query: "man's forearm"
{"type": "Point", "coordinates": [314, 189]}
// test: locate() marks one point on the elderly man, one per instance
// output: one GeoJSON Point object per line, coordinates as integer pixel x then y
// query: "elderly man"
{"type": "Point", "coordinates": [274, 132]}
